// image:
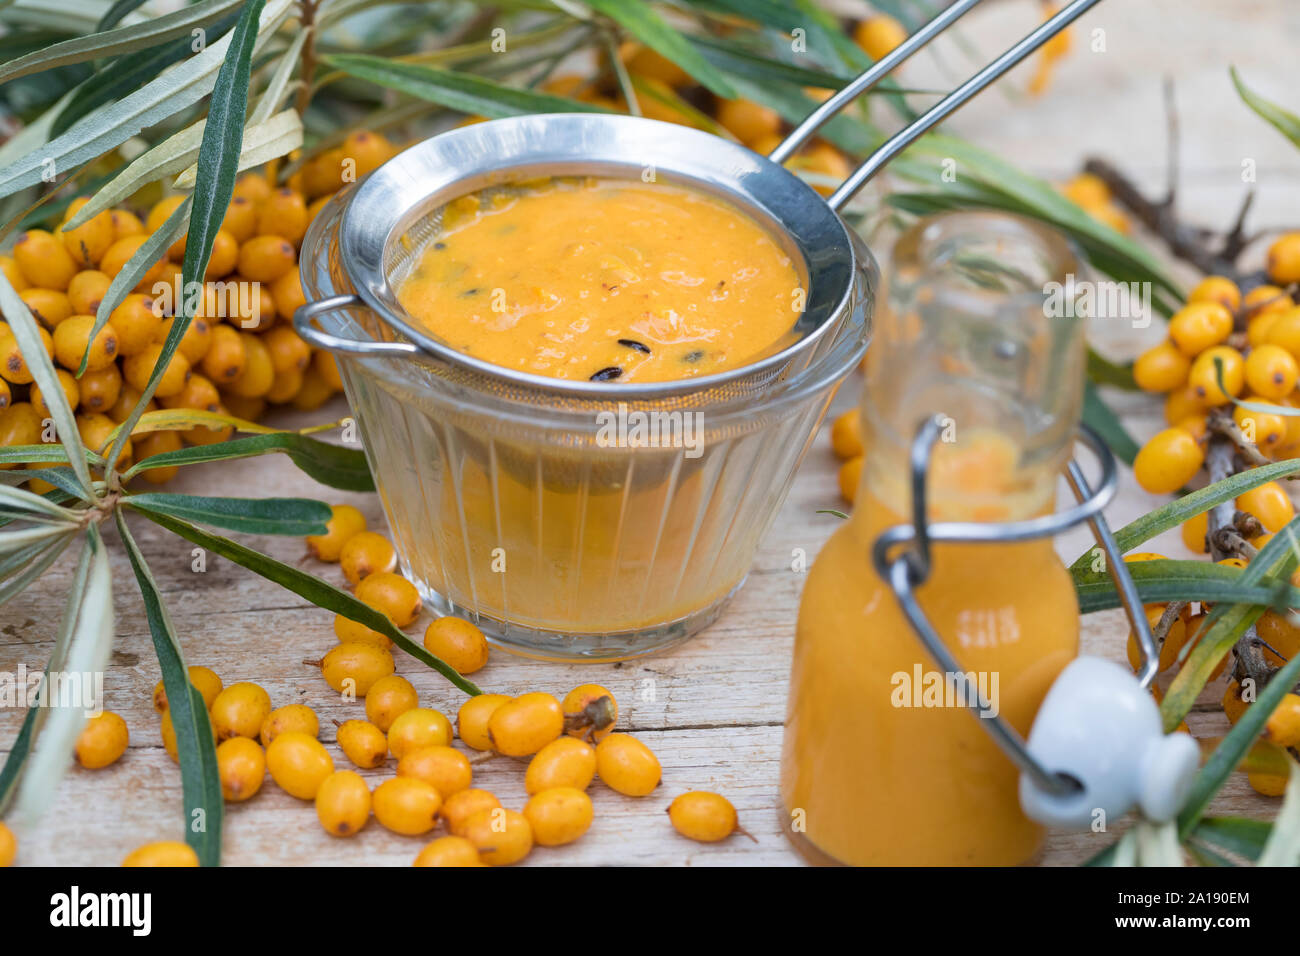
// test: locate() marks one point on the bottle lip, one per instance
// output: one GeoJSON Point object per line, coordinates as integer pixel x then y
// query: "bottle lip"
{"type": "Point", "coordinates": [920, 256]}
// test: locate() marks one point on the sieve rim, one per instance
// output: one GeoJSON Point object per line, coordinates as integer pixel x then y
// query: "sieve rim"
{"type": "Point", "coordinates": [373, 220]}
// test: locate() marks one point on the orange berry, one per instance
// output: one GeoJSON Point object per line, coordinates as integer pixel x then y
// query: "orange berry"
{"type": "Point", "coordinates": [1163, 368]}
{"type": "Point", "coordinates": [1198, 326]}
{"type": "Point", "coordinates": [1219, 363]}
{"type": "Point", "coordinates": [1217, 289]}
{"type": "Point", "coordinates": [44, 260]}
{"type": "Point", "coordinates": [1168, 461]}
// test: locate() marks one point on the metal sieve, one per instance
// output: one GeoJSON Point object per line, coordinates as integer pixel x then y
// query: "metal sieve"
{"type": "Point", "coordinates": [397, 211]}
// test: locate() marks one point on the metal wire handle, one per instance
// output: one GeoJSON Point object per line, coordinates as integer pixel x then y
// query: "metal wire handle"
{"type": "Point", "coordinates": [902, 558]}
{"type": "Point", "coordinates": [940, 111]}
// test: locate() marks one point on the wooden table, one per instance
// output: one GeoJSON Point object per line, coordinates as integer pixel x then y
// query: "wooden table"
{"type": "Point", "coordinates": [711, 709]}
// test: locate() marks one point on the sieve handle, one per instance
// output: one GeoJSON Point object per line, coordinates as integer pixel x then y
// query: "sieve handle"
{"type": "Point", "coordinates": [305, 315]}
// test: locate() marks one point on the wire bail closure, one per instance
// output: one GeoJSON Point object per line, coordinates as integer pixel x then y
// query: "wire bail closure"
{"type": "Point", "coordinates": [902, 558]}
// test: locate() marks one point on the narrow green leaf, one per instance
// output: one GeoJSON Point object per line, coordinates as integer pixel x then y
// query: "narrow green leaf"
{"type": "Point", "coordinates": [61, 478]}
{"type": "Point", "coordinates": [287, 516]}
{"type": "Point", "coordinates": [1283, 846]}
{"type": "Point", "coordinates": [459, 91]}
{"type": "Point", "coordinates": [331, 465]}
{"type": "Point", "coordinates": [1098, 416]}
{"type": "Point", "coordinates": [319, 592]}
{"type": "Point", "coordinates": [128, 39]}
{"type": "Point", "coordinates": [19, 582]}
{"type": "Point", "coordinates": [1284, 121]}
{"type": "Point", "coordinates": [118, 12]}
{"type": "Point", "coordinates": [1167, 580]}
{"type": "Point", "coordinates": [200, 778]}
{"type": "Point", "coordinates": [27, 332]}
{"type": "Point", "coordinates": [223, 137]}
{"type": "Point", "coordinates": [35, 454]}
{"type": "Point", "coordinates": [1239, 835]}
{"type": "Point", "coordinates": [1102, 371]}
{"type": "Point", "coordinates": [1175, 512]}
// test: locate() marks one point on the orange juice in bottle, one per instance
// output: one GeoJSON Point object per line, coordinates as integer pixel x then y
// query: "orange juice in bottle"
{"type": "Point", "coordinates": [884, 763]}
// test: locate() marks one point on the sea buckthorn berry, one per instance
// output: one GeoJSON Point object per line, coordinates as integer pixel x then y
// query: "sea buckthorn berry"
{"type": "Point", "coordinates": [1269, 504]}
{"type": "Point", "coordinates": [102, 740]}
{"type": "Point", "coordinates": [70, 387]}
{"type": "Point", "coordinates": [1271, 371]}
{"type": "Point", "coordinates": [502, 836]}
{"type": "Point", "coordinates": [266, 258]}
{"type": "Point", "coordinates": [328, 367]}
{"type": "Point", "coordinates": [1284, 259]}
{"type": "Point", "coordinates": [98, 390]}
{"type": "Point", "coordinates": [139, 367]}
{"type": "Point", "coordinates": [1281, 636]}
{"type": "Point", "coordinates": [283, 213]}
{"type": "Point", "coordinates": [846, 435]}
{"type": "Point", "coordinates": [19, 425]}
{"type": "Point", "coordinates": [195, 341]}
{"type": "Point", "coordinates": [199, 393]}
{"type": "Point", "coordinates": [392, 594]}
{"type": "Point", "coordinates": [472, 720]}
{"type": "Point", "coordinates": [6, 394]}
{"type": "Point", "coordinates": [88, 242]}
{"type": "Point", "coordinates": [449, 851]}
{"type": "Point", "coordinates": [1266, 429]}
{"type": "Point", "coordinates": [345, 521]}
{"type": "Point", "coordinates": [1265, 298]}
{"type": "Point", "coordinates": [526, 724]}
{"type": "Point", "coordinates": [1260, 328]}
{"type": "Point", "coordinates": [240, 710]}
{"type": "Point", "coordinates": [86, 291]}
{"type": "Point", "coordinates": [204, 679]}
{"type": "Point", "coordinates": [590, 712]}
{"type": "Point", "coordinates": [249, 409]}
{"type": "Point", "coordinates": [354, 667]}
{"type": "Point", "coordinates": [703, 816]}
{"type": "Point", "coordinates": [363, 743]}
{"type": "Point", "coordinates": [224, 257]}
{"type": "Point", "coordinates": [287, 293]}
{"type": "Point", "coordinates": [259, 373]}
{"type": "Point", "coordinates": [295, 717]}
{"type": "Point", "coordinates": [241, 764]}
{"type": "Point", "coordinates": [407, 805]}
{"type": "Point", "coordinates": [14, 274]}
{"type": "Point", "coordinates": [456, 641]}
{"type": "Point", "coordinates": [312, 393]}
{"type": "Point", "coordinates": [164, 853]}
{"type": "Point", "coordinates": [389, 698]}
{"type": "Point", "coordinates": [209, 434]}
{"type": "Point", "coordinates": [1199, 326]}
{"type": "Point", "coordinates": [627, 765]}
{"type": "Point", "coordinates": [366, 553]}
{"type": "Point", "coordinates": [323, 174]}
{"type": "Point", "coordinates": [241, 218]}
{"type": "Point", "coordinates": [161, 212]}
{"type": "Point", "coordinates": [121, 252]}
{"type": "Point", "coordinates": [850, 474]}
{"type": "Point", "coordinates": [226, 356]}
{"type": "Point", "coordinates": [1168, 461]}
{"type": "Point", "coordinates": [97, 432]}
{"type": "Point", "coordinates": [44, 260]}
{"type": "Point", "coordinates": [1161, 369]}
{"type": "Point", "coordinates": [285, 387]}
{"type": "Point", "coordinates": [1283, 330]}
{"type": "Point", "coordinates": [125, 224]}
{"type": "Point", "coordinates": [447, 769]}
{"type": "Point", "coordinates": [13, 364]}
{"type": "Point", "coordinates": [1267, 784]}
{"type": "Point", "coordinates": [458, 808]}
{"type": "Point", "coordinates": [564, 762]}
{"type": "Point", "coordinates": [252, 187]}
{"type": "Point", "coordinates": [1193, 532]}
{"type": "Point", "coordinates": [1233, 705]}
{"type": "Point", "coordinates": [49, 306]}
{"type": "Point", "coordinates": [168, 732]}
{"type": "Point", "coordinates": [1218, 364]}
{"type": "Point", "coordinates": [1217, 289]}
{"type": "Point", "coordinates": [1180, 403]}
{"type": "Point", "coordinates": [70, 339]}
{"type": "Point", "coordinates": [349, 631]}
{"type": "Point", "coordinates": [558, 816]}
{"type": "Point", "coordinates": [748, 121]}
{"type": "Point", "coordinates": [417, 728]}
{"type": "Point", "coordinates": [9, 847]}
{"type": "Point", "coordinates": [1283, 726]}
{"type": "Point", "coordinates": [878, 35]}
{"type": "Point", "coordinates": [368, 150]}
{"type": "Point", "coordinates": [288, 351]}
{"type": "Point", "coordinates": [343, 803]}
{"type": "Point", "coordinates": [1198, 426]}
{"type": "Point", "coordinates": [299, 763]}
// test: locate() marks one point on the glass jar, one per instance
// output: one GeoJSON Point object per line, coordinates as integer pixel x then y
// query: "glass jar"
{"type": "Point", "coordinates": [883, 762]}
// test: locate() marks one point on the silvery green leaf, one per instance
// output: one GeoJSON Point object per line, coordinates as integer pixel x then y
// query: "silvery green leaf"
{"type": "Point", "coordinates": [15, 539]}
{"type": "Point", "coordinates": [66, 16]}
{"type": "Point", "coordinates": [27, 332]}
{"type": "Point", "coordinates": [87, 655]}
{"type": "Point", "coordinates": [170, 156]}
{"type": "Point", "coordinates": [277, 86]}
{"type": "Point", "coordinates": [278, 136]}
{"type": "Point", "coordinates": [21, 499]}
{"type": "Point", "coordinates": [1157, 844]}
{"type": "Point", "coordinates": [173, 91]}
{"type": "Point", "coordinates": [1283, 846]}
{"type": "Point", "coordinates": [18, 582]}
{"type": "Point", "coordinates": [127, 39]}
